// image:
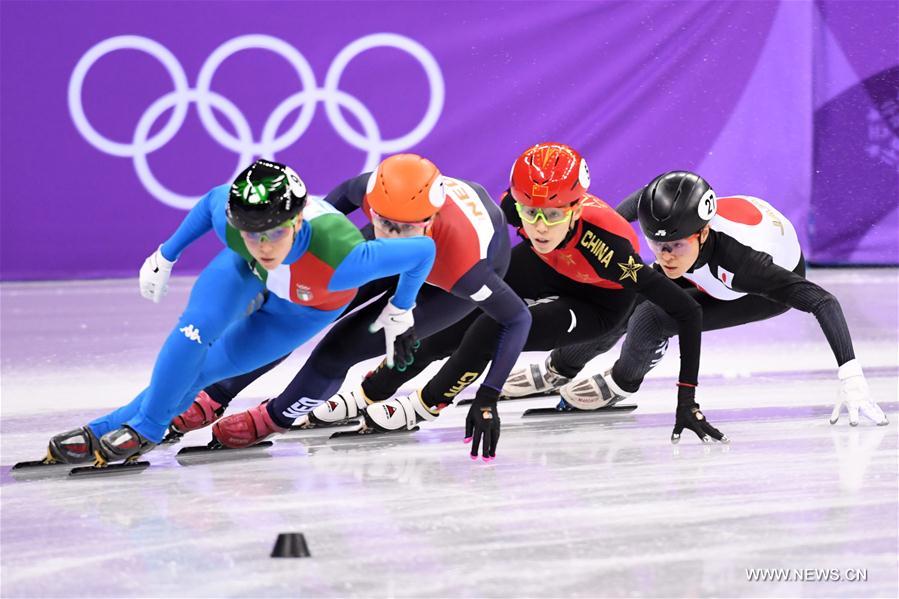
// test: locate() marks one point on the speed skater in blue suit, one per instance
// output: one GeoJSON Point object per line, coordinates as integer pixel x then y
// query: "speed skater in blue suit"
{"type": "Point", "coordinates": [298, 253]}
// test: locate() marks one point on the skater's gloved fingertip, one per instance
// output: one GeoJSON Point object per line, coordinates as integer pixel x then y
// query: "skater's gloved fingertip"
{"type": "Point", "coordinates": [473, 457]}
{"type": "Point", "coordinates": [466, 440]}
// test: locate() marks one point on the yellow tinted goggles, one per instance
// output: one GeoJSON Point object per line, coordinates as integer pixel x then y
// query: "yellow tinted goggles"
{"type": "Point", "coordinates": [550, 216]}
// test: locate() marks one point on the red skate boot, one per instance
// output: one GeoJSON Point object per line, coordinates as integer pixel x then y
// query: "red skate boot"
{"type": "Point", "coordinates": [246, 428]}
{"type": "Point", "coordinates": [202, 412]}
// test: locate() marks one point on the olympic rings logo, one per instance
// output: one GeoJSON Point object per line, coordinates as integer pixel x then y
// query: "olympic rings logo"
{"type": "Point", "coordinates": [243, 142]}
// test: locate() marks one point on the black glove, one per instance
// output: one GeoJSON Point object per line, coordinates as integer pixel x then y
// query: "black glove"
{"type": "Point", "coordinates": [483, 422]}
{"type": "Point", "coordinates": [689, 416]}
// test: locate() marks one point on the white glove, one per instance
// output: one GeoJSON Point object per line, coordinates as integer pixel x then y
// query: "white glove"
{"type": "Point", "coordinates": [855, 394]}
{"type": "Point", "coordinates": [154, 276]}
{"type": "Point", "coordinates": [396, 322]}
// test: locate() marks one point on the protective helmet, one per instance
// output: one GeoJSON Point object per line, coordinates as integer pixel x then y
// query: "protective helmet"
{"type": "Point", "coordinates": [675, 205]}
{"type": "Point", "coordinates": [549, 175]}
{"type": "Point", "coordinates": [406, 188]}
{"type": "Point", "coordinates": [265, 195]}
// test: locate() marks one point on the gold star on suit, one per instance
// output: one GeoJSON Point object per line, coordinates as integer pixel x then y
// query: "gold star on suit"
{"type": "Point", "coordinates": [629, 270]}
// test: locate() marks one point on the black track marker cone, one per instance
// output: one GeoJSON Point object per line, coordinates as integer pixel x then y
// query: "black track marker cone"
{"type": "Point", "coordinates": [291, 544]}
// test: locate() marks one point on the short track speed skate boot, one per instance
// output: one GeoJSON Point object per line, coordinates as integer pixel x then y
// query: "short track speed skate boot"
{"type": "Point", "coordinates": [202, 412]}
{"type": "Point", "coordinates": [73, 447]}
{"type": "Point", "coordinates": [534, 379]}
{"type": "Point", "coordinates": [245, 428]}
{"type": "Point", "coordinates": [82, 446]}
{"type": "Point", "coordinates": [598, 391]}
{"type": "Point", "coordinates": [337, 410]}
{"type": "Point", "coordinates": [398, 413]}
{"type": "Point", "coordinates": [121, 445]}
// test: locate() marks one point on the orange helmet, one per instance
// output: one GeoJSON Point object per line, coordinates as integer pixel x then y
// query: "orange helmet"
{"type": "Point", "coordinates": [549, 175]}
{"type": "Point", "coordinates": [406, 188]}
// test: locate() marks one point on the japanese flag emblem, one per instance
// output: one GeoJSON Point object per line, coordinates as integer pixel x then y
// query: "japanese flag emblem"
{"type": "Point", "coordinates": [726, 277]}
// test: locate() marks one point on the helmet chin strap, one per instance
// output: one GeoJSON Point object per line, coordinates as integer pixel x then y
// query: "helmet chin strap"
{"type": "Point", "coordinates": [700, 259]}
{"type": "Point", "coordinates": [293, 239]}
{"type": "Point", "coordinates": [571, 229]}
{"type": "Point", "coordinates": [427, 230]}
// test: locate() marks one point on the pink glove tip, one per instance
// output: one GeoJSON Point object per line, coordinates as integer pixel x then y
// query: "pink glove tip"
{"type": "Point", "coordinates": [473, 457]}
{"type": "Point", "coordinates": [466, 440]}
{"type": "Point", "coordinates": [489, 459]}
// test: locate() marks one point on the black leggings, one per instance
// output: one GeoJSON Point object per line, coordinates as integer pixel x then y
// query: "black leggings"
{"type": "Point", "coordinates": [225, 391]}
{"type": "Point", "coordinates": [349, 342]}
{"type": "Point", "coordinates": [563, 312]}
{"type": "Point", "coordinates": [649, 329]}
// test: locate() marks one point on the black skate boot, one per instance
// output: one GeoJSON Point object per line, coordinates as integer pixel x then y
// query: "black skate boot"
{"type": "Point", "coordinates": [73, 447]}
{"type": "Point", "coordinates": [121, 445]}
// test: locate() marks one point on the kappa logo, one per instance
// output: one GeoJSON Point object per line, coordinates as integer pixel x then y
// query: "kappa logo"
{"type": "Point", "coordinates": [192, 333]}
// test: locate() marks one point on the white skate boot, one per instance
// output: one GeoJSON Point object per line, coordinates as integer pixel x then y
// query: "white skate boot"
{"type": "Point", "coordinates": [398, 413]}
{"type": "Point", "coordinates": [337, 410]}
{"type": "Point", "coordinates": [598, 391]}
{"type": "Point", "coordinates": [534, 379]}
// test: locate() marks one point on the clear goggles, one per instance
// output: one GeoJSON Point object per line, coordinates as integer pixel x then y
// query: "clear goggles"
{"type": "Point", "coordinates": [550, 216]}
{"type": "Point", "coordinates": [273, 235]}
{"type": "Point", "coordinates": [395, 226]}
{"type": "Point", "coordinates": [677, 247]}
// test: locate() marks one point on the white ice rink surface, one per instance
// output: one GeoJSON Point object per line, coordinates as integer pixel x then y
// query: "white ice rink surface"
{"type": "Point", "coordinates": [585, 506]}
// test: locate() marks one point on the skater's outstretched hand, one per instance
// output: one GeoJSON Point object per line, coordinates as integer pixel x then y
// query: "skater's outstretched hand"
{"type": "Point", "coordinates": [689, 416]}
{"type": "Point", "coordinates": [154, 276]}
{"type": "Point", "coordinates": [399, 334]}
{"type": "Point", "coordinates": [856, 396]}
{"type": "Point", "coordinates": [482, 423]}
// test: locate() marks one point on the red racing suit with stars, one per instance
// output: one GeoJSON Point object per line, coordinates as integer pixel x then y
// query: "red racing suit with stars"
{"type": "Point", "coordinates": [602, 251]}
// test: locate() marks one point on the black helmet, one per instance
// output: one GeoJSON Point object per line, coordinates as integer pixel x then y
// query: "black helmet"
{"type": "Point", "coordinates": [675, 205]}
{"type": "Point", "coordinates": [265, 195]}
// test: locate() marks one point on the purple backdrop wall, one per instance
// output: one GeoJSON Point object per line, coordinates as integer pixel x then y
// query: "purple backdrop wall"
{"type": "Point", "coordinates": [102, 149]}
